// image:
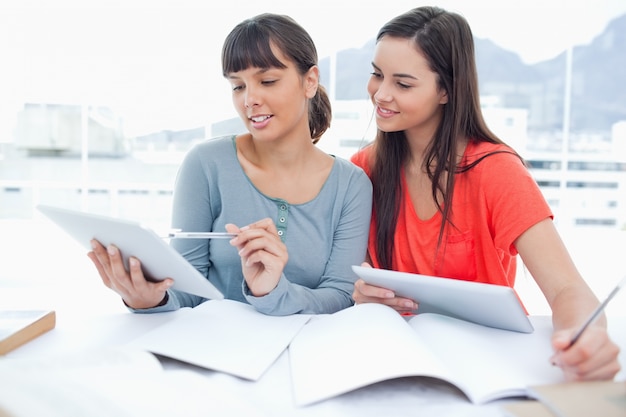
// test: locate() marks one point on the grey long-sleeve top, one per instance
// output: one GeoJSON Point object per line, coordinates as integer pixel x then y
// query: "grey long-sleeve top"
{"type": "Point", "coordinates": [324, 236]}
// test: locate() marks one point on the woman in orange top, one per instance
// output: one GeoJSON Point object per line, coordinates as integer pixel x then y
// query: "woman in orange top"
{"type": "Point", "coordinates": [450, 198]}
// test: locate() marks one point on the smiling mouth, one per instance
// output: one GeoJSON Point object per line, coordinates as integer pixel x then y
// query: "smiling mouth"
{"type": "Point", "coordinates": [259, 119]}
{"type": "Point", "coordinates": [385, 111]}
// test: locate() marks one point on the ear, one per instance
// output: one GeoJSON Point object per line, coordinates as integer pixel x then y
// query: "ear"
{"type": "Point", "coordinates": [443, 99]}
{"type": "Point", "coordinates": [311, 81]}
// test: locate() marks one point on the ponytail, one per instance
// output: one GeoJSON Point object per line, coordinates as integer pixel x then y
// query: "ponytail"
{"type": "Point", "coordinates": [320, 114]}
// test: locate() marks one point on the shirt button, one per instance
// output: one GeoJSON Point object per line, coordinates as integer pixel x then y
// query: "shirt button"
{"type": "Point", "coordinates": [282, 220]}
{"type": "Point", "coordinates": [283, 207]}
{"type": "Point", "coordinates": [280, 233]}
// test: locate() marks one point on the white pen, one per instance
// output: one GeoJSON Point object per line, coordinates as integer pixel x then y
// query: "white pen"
{"type": "Point", "coordinates": [201, 235]}
{"type": "Point", "coordinates": [597, 312]}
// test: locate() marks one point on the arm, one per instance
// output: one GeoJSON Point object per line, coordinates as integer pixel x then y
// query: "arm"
{"type": "Point", "coordinates": [189, 213]}
{"type": "Point", "coordinates": [594, 356]}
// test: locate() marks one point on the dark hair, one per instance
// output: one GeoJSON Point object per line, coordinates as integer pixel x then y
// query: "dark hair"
{"type": "Point", "coordinates": [446, 41]}
{"type": "Point", "coordinates": [250, 43]}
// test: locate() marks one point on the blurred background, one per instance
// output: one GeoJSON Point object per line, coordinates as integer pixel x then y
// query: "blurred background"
{"type": "Point", "coordinates": [100, 100]}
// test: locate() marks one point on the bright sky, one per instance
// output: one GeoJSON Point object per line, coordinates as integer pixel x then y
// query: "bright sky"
{"type": "Point", "coordinates": [157, 61]}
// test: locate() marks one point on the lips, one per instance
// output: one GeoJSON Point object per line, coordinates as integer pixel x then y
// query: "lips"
{"type": "Point", "coordinates": [385, 113]}
{"type": "Point", "coordinates": [259, 119]}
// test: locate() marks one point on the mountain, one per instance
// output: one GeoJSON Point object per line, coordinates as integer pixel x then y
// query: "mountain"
{"type": "Point", "coordinates": [598, 93]}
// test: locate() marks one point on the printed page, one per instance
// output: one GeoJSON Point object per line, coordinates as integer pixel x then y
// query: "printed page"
{"type": "Point", "coordinates": [226, 336]}
{"type": "Point", "coordinates": [490, 363]}
{"type": "Point", "coordinates": [355, 347]}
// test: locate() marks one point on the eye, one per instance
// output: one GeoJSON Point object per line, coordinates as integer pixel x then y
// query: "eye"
{"type": "Point", "coordinates": [237, 87]}
{"type": "Point", "coordinates": [268, 82]}
{"type": "Point", "coordinates": [375, 74]}
{"type": "Point", "coordinates": [403, 86]}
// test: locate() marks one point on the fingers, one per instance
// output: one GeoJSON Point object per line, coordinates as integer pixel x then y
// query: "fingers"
{"type": "Point", "coordinates": [264, 228]}
{"type": "Point", "coordinates": [263, 255]}
{"type": "Point", "coordinates": [130, 284]}
{"type": "Point", "coordinates": [146, 294]}
{"type": "Point", "coordinates": [365, 293]}
{"type": "Point", "coordinates": [100, 259]}
{"type": "Point", "coordinates": [231, 228]}
{"type": "Point", "coordinates": [99, 268]}
{"type": "Point", "coordinates": [120, 278]}
{"type": "Point", "coordinates": [264, 224]}
{"type": "Point", "coordinates": [593, 357]}
{"type": "Point", "coordinates": [258, 236]}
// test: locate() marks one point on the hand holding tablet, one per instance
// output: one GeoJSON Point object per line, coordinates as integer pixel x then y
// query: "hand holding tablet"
{"type": "Point", "coordinates": [158, 259]}
{"type": "Point", "coordinates": [490, 305]}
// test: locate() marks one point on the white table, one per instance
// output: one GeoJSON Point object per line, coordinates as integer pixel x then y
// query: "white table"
{"type": "Point", "coordinates": [60, 277]}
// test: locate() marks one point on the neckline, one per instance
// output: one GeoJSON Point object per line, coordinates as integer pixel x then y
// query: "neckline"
{"type": "Point", "coordinates": [278, 199]}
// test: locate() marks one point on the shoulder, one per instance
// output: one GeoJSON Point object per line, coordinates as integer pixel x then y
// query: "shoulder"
{"type": "Point", "coordinates": [492, 168]}
{"type": "Point", "coordinates": [363, 157]}
{"type": "Point", "coordinates": [219, 143]}
{"type": "Point", "coordinates": [348, 182]}
{"type": "Point", "coordinates": [350, 172]}
{"type": "Point", "coordinates": [212, 149]}
{"type": "Point", "coordinates": [492, 157]}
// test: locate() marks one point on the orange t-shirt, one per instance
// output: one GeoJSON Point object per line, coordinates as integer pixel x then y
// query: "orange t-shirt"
{"type": "Point", "coordinates": [493, 204]}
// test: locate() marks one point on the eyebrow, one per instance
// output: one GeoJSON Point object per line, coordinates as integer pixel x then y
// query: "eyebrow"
{"type": "Point", "coordinates": [398, 75]}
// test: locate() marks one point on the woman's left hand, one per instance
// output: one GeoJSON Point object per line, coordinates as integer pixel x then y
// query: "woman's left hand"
{"type": "Point", "coordinates": [593, 357]}
{"type": "Point", "coordinates": [263, 255]}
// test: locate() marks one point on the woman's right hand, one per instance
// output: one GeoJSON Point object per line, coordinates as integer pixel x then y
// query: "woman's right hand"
{"type": "Point", "coordinates": [366, 293]}
{"type": "Point", "coordinates": [263, 255]}
{"type": "Point", "coordinates": [132, 286]}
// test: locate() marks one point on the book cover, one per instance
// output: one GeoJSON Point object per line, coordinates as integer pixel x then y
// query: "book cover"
{"type": "Point", "coordinates": [18, 327]}
{"type": "Point", "coordinates": [579, 399]}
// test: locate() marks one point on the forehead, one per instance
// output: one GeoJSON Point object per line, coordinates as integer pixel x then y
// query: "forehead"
{"type": "Point", "coordinates": [399, 55]}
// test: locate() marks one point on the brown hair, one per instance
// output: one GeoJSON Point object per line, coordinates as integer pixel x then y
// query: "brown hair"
{"type": "Point", "coordinates": [249, 45]}
{"type": "Point", "coordinates": [446, 40]}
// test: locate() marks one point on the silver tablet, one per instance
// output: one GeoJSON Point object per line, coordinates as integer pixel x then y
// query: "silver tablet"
{"type": "Point", "coordinates": [490, 305]}
{"type": "Point", "coordinates": [158, 259]}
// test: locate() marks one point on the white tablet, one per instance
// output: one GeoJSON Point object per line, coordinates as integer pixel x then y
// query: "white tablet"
{"type": "Point", "coordinates": [490, 305]}
{"type": "Point", "coordinates": [158, 259]}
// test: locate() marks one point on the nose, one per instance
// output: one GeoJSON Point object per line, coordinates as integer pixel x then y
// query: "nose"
{"type": "Point", "coordinates": [251, 98]}
{"type": "Point", "coordinates": [382, 93]}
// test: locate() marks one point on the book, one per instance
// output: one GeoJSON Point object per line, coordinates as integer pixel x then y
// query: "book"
{"type": "Point", "coordinates": [18, 327]}
{"type": "Point", "coordinates": [370, 343]}
{"type": "Point", "coordinates": [572, 399]}
{"type": "Point", "coordinates": [581, 399]}
{"type": "Point", "coordinates": [226, 336]}
{"type": "Point", "coordinates": [527, 408]}
{"type": "Point", "coordinates": [112, 381]}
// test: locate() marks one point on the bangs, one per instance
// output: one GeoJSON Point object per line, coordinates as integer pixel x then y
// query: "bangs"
{"type": "Point", "coordinates": [248, 47]}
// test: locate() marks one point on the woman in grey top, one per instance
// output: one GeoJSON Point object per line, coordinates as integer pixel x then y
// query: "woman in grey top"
{"type": "Point", "coordinates": [301, 216]}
